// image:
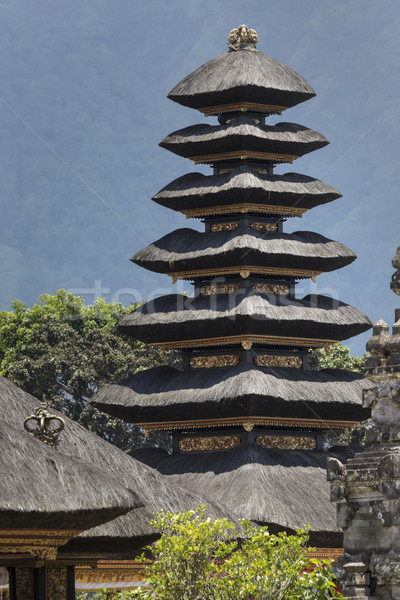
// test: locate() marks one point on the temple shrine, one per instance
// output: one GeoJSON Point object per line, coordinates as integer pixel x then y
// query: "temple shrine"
{"type": "Point", "coordinates": [247, 416]}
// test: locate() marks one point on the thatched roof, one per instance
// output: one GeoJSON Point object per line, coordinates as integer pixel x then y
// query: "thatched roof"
{"type": "Point", "coordinates": [164, 393]}
{"type": "Point", "coordinates": [242, 135]}
{"type": "Point", "coordinates": [283, 488]}
{"type": "Point", "coordinates": [42, 488]}
{"type": "Point", "coordinates": [129, 531]}
{"type": "Point", "coordinates": [177, 317]}
{"type": "Point", "coordinates": [187, 249]}
{"type": "Point", "coordinates": [242, 77]}
{"type": "Point", "coordinates": [243, 185]}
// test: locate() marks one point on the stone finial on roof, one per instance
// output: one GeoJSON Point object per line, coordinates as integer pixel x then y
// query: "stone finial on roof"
{"type": "Point", "coordinates": [242, 38]}
{"type": "Point", "coordinates": [395, 283]}
{"type": "Point", "coordinates": [44, 426]}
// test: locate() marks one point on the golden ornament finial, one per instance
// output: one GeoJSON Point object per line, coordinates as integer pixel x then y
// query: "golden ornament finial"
{"type": "Point", "coordinates": [242, 38]}
{"type": "Point", "coordinates": [43, 425]}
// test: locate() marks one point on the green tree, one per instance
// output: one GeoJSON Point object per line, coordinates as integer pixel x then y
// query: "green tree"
{"type": "Point", "coordinates": [200, 559]}
{"type": "Point", "coordinates": [336, 357]}
{"type": "Point", "coordinates": [65, 351]}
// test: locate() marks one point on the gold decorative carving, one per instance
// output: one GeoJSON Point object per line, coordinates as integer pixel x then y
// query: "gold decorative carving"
{"type": "Point", "coordinates": [56, 583]}
{"type": "Point", "coordinates": [42, 552]}
{"type": "Point", "coordinates": [264, 226]}
{"type": "Point", "coordinates": [241, 421]}
{"type": "Point", "coordinates": [241, 155]}
{"type": "Point", "coordinates": [24, 583]}
{"type": "Point", "coordinates": [289, 211]}
{"type": "Point", "coordinates": [241, 339]}
{"type": "Point", "coordinates": [267, 360]}
{"type": "Point", "coordinates": [242, 107]}
{"type": "Point", "coordinates": [220, 442]}
{"type": "Point", "coordinates": [248, 426]}
{"type": "Point", "coordinates": [38, 543]}
{"type": "Point", "coordinates": [286, 442]}
{"type": "Point", "coordinates": [246, 344]}
{"type": "Point", "coordinates": [328, 553]}
{"type": "Point", "coordinates": [44, 426]}
{"type": "Point", "coordinates": [224, 227]}
{"type": "Point", "coordinates": [267, 288]}
{"type": "Point", "coordinates": [209, 362]}
{"type": "Point", "coordinates": [210, 290]}
{"type": "Point", "coordinates": [111, 572]}
{"type": "Point", "coordinates": [244, 271]}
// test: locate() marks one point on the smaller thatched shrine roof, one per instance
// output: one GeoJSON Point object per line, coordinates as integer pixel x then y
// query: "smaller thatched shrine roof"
{"type": "Point", "coordinates": [283, 489]}
{"type": "Point", "coordinates": [43, 488]}
{"type": "Point", "coordinates": [244, 76]}
{"type": "Point", "coordinates": [177, 318]}
{"type": "Point", "coordinates": [166, 394]}
{"type": "Point", "coordinates": [243, 138]}
{"type": "Point", "coordinates": [131, 531]}
{"type": "Point", "coordinates": [244, 185]}
{"type": "Point", "coordinates": [186, 250]}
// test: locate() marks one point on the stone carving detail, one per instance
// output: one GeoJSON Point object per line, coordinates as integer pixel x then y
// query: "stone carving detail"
{"type": "Point", "coordinates": [210, 290]}
{"type": "Point", "coordinates": [367, 490]}
{"type": "Point", "coordinates": [268, 360]}
{"type": "Point", "coordinates": [224, 226]}
{"type": "Point", "coordinates": [264, 226]}
{"type": "Point", "coordinates": [56, 583]}
{"type": "Point", "coordinates": [221, 442]}
{"type": "Point", "coordinates": [208, 362]}
{"type": "Point", "coordinates": [395, 283]}
{"type": "Point", "coordinates": [286, 442]}
{"type": "Point", "coordinates": [267, 288]}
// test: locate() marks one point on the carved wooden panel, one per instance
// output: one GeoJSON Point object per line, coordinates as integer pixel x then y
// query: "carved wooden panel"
{"type": "Point", "coordinates": [199, 444]}
{"type": "Point", "coordinates": [208, 362]}
{"type": "Point", "coordinates": [210, 290]}
{"type": "Point", "coordinates": [264, 226]}
{"type": "Point", "coordinates": [286, 442]}
{"type": "Point", "coordinates": [24, 584]}
{"type": "Point", "coordinates": [267, 360]}
{"type": "Point", "coordinates": [56, 583]}
{"type": "Point", "coordinates": [267, 288]}
{"type": "Point", "coordinates": [224, 226]}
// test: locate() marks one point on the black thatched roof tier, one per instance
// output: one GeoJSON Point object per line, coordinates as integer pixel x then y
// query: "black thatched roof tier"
{"type": "Point", "coordinates": [42, 488]}
{"type": "Point", "coordinates": [283, 488]}
{"type": "Point", "coordinates": [185, 250]}
{"type": "Point", "coordinates": [242, 138]}
{"type": "Point", "coordinates": [235, 77]}
{"type": "Point", "coordinates": [130, 531]}
{"type": "Point", "coordinates": [244, 185]}
{"type": "Point", "coordinates": [179, 318]}
{"type": "Point", "coordinates": [163, 393]}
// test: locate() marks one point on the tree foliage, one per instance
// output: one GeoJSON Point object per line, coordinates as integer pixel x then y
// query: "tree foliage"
{"type": "Point", "coordinates": [336, 357]}
{"type": "Point", "coordinates": [65, 351]}
{"type": "Point", "coordinates": [200, 559]}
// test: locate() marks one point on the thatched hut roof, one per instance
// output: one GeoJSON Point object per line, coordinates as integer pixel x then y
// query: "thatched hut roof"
{"type": "Point", "coordinates": [187, 250]}
{"type": "Point", "coordinates": [166, 394]}
{"type": "Point", "coordinates": [242, 77]}
{"type": "Point", "coordinates": [210, 143]}
{"type": "Point", "coordinates": [43, 488]}
{"type": "Point", "coordinates": [130, 531]}
{"type": "Point", "coordinates": [177, 318]}
{"type": "Point", "coordinates": [243, 185]}
{"type": "Point", "coordinates": [284, 489]}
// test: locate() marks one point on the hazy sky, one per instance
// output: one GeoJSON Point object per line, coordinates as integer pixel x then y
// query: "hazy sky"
{"type": "Point", "coordinates": [83, 107]}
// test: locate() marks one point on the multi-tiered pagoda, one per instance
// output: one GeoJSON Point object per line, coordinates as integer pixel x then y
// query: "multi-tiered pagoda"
{"type": "Point", "coordinates": [247, 416]}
